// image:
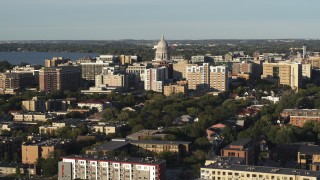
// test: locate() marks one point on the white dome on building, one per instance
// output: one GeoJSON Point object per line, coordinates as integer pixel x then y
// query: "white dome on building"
{"type": "Point", "coordinates": [162, 52]}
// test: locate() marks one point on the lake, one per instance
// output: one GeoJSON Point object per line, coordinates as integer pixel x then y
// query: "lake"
{"type": "Point", "coordinates": [39, 57]}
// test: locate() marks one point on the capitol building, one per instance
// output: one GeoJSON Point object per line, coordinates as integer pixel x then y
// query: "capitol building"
{"type": "Point", "coordinates": [162, 52]}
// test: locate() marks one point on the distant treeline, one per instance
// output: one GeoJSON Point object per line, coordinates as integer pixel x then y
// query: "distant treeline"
{"type": "Point", "coordinates": [144, 48]}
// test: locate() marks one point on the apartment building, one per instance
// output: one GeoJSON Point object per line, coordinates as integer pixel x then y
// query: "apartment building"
{"type": "Point", "coordinates": [179, 147]}
{"type": "Point", "coordinates": [59, 78]}
{"type": "Point", "coordinates": [128, 59]}
{"type": "Point", "coordinates": [225, 170]}
{"type": "Point", "coordinates": [179, 69]}
{"type": "Point", "coordinates": [155, 78]}
{"type": "Point", "coordinates": [31, 151]}
{"type": "Point", "coordinates": [35, 104]}
{"type": "Point", "coordinates": [103, 167]}
{"type": "Point", "coordinates": [309, 157]}
{"type": "Point", "coordinates": [33, 116]}
{"type": "Point", "coordinates": [136, 73]}
{"type": "Point", "coordinates": [219, 80]}
{"type": "Point", "coordinates": [112, 80]}
{"type": "Point", "coordinates": [198, 76]}
{"type": "Point", "coordinates": [179, 87]}
{"type": "Point", "coordinates": [94, 104]}
{"type": "Point", "coordinates": [90, 69]}
{"type": "Point", "coordinates": [15, 80]}
{"type": "Point", "coordinates": [283, 73]}
{"type": "Point", "coordinates": [243, 67]}
{"type": "Point", "coordinates": [55, 61]}
{"type": "Point", "coordinates": [298, 117]}
{"type": "Point", "coordinates": [243, 147]}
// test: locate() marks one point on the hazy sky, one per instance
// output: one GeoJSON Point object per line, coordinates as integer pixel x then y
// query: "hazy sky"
{"type": "Point", "coordinates": [149, 19]}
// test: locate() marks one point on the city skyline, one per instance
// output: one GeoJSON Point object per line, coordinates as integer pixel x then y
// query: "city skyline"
{"type": "Point", "coordinates": [142, 19]}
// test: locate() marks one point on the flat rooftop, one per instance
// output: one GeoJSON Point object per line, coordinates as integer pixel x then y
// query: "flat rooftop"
{"type": "Point", "coordinates": [147, 160]}
{"type": "Point", "coordinates": [262, 169]}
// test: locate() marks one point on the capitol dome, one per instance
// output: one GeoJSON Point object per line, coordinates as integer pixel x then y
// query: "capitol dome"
{"type": "Point", "coordinates": [162, 52]}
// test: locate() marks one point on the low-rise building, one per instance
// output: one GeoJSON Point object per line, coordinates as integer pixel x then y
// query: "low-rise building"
{"type": "Point", "coordinates": [103, 167]}
{"type": "Point", "coordinates": [298, 117]}
{"type": "Point", "coordinates": [147, 133]}
{"type": "Point", "coordinates": [33, 116]}
{"type": "Point", "coordinates": [243, 147]}
{"type": "Point", "coordinates": [178, 147]}
{"type": "Point", "coordinates": [94, 104]}
{"type": "Point", "coordinates": [226, 170]}
{"type": "Point", "coordinates": [309, 157]}
{"type": "Point", "coordinates": [33, 150]}
{"type": "Point", "coordinates": [180, 87]}
{"type": "Point", "coordinates": [11, 168]}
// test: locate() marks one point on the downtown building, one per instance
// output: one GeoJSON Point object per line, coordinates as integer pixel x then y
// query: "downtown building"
{"type": "Point", "coordinates": [104, 167]}
{"type": "Point", "coordinates": [154, 79]}
{"type": "Point", "coordinates": [207, 77]}
{"type": "Point", "coordinates": [283, 73]}
{"type": "Point", "coordinates": [90, 69]}
{"type": "Point", "coordinates": [59, 78]}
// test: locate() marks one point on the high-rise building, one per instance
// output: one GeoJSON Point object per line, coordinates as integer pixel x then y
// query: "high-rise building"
{"type": "Point", "coordinates": [162, 52]}
{"type": "Point", "coordinates": [155, 78]}
{"type": "Point", "coordinates": [198, 76]}
{"type": "Point", "coordinates": [59, 78]}
{"type": "Point", "coordinates": [14, 80]}
{"type": "Point", "coordinates": [179, 69]}
{"type": "Point", "coordinates": [103, 167]}
{"type": "Point", "coordinates": [55, 61]}
{"type": "Point", "coordinates": [90, 69]}
{"type": "Point", "coordinates": [283, 73]}
{"type": "Point", "coordinates": [136, 73]}
{"type": "Point", "coordinates": [219, 80]}
{"type": "Point", "coordinates": [112, 80]}
{"type": "Point", "coordinates": [35, 104]}
{"type": "Point", "coordinates": [128, 59]}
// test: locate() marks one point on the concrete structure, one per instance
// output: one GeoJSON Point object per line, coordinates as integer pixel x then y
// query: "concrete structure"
{"type": "Point", "coordinates": [155, 78]}
{"type": "Point", "coordinates": [225, 170]}
{"type": "Point", "coordinates": [219, 80]}
{"type": "Point", "coordinates": [60, 78]}
{"type": "Point", "coordinates": [315, 60]}
{"type": "Point", "coordinates": [103, 167]}
{"type": "Point", "coordinates": [180, 87]}
{"type": "Point", "coordinates": [34, 150]}
{"type": "Point", "coordinates": [243, 147]}
{"type": "Point", "coordinates": [283, 73]}
{"type": "Point", "coordinates": [162, 52]}
{"type": "Point", "coordinates": [198, 76]}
